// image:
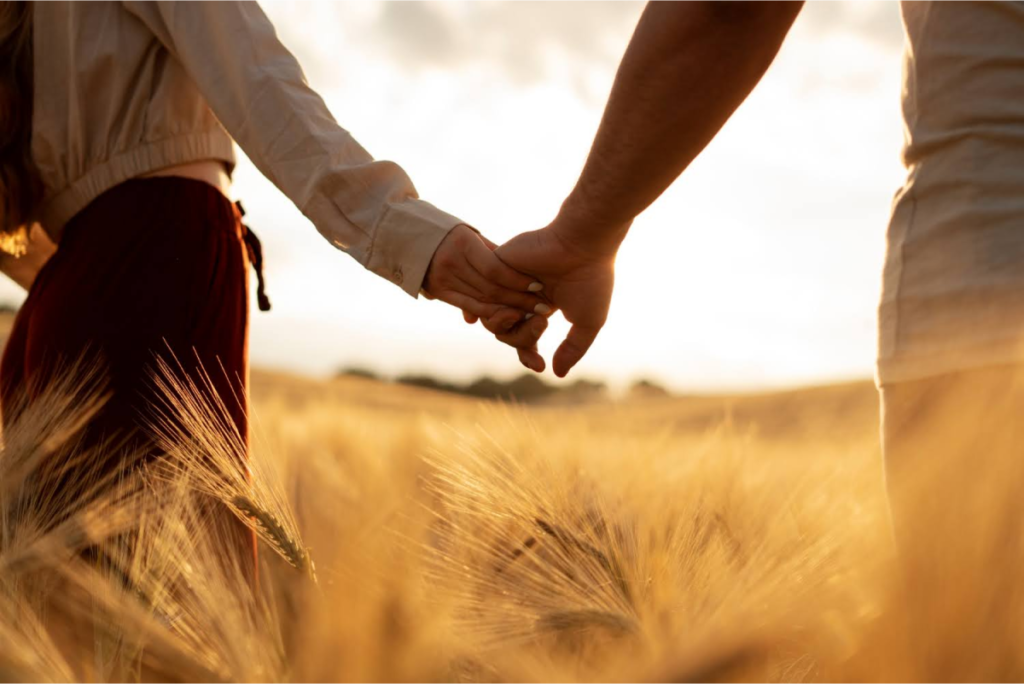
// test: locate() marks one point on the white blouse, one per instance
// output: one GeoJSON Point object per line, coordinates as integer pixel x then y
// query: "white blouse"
{"type": "Point", "coordinates": [126, 88]}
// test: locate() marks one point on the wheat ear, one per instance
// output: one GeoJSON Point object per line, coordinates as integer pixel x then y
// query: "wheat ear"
{"type": "Point", "coordinates": [278, 537]}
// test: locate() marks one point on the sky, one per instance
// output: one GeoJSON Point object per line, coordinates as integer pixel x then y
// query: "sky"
{"type": "Point", "coordinates": [760, 267]}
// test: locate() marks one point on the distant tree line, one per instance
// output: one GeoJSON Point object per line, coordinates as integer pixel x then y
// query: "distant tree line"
{"type": "Point", "coordinates": [526, 388]}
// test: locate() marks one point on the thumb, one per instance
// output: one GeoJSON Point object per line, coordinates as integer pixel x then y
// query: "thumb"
{"type": "Point", "coordinates": [572, 349]}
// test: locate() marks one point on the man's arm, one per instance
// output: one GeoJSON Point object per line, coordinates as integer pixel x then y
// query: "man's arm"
{"type": "Point", "coordinates": [688, 67]}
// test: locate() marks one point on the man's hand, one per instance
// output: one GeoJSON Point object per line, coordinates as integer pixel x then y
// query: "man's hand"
{"type": "Point", "coordinates": [578, 279]}
{"type": "Point", "coordinates": [466, 274]}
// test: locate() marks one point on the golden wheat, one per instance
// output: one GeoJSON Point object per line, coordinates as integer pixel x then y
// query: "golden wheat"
{"type": "Point", "coordinates": [459, 541]}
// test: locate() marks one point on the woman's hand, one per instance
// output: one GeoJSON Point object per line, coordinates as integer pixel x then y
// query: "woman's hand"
{"type": "Point", "coordinates": [466, 274]}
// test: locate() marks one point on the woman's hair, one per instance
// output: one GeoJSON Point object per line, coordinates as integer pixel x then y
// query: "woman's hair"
{"type": "Point", "coordinates": [20, 187]}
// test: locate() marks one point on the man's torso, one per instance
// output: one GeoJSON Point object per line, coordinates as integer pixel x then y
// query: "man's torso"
{"type": "Point", "coordinates": [953, 287]}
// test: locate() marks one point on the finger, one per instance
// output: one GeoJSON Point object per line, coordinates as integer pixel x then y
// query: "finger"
{"type": "Point", "coordinates": [532, 359]}
{"type": "Point", "coordinates": [525, 340]}
{"type": "Point", "coordinates": [468, 280]}
{"type": "Point", "coordinates": [469, 318]}
{"type": "Point", "coordinates": [494, 293]}
{"type": "Point", "coordinates": [503, 321]}
{"type": "Point", "coordinates": [468, 304]}
{"type": "Point", "coordinates": [463, 285]}
{"type": "Point", "coordinates": [572, 349]}
{"type": "Point", "coordinates": [495, 270]}
{"type": "Point", "coordinates": [510, 305]}
{"type": "Point", "coordinates": [525, 335]}
{"type": "Point", "coordinates": [470, 284]}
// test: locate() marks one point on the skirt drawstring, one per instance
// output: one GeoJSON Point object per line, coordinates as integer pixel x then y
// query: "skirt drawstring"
{"type": "Point", "coordinates": [255, 251]}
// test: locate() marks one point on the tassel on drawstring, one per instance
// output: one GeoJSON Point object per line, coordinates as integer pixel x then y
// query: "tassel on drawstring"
{"type": "Point", "coordinates": [255, 251]}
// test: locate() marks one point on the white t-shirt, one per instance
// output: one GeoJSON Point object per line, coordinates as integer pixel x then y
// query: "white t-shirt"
{"type": "Point", "coordinates": [953, 286]}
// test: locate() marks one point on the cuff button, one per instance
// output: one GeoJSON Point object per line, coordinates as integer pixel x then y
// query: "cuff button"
{"type": "Point", "coordinates": [397, 276]}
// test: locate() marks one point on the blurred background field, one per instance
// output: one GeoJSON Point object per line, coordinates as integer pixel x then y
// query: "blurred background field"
{"type": "Point", "coordinates": [747, 532]}
{"type": "Point", "coordinates": [575, 534]}
{"type": "Point", "coordinates": [575, 537]}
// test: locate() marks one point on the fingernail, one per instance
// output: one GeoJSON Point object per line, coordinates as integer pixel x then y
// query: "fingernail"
{"type": "Point", "coordinates": [528, 317]}
{"type": "Point", "coordinates": [542, 309]}
{"type": "Point", "coordinates": [535, 287]}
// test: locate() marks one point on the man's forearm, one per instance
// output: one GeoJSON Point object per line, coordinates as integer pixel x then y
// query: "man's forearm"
{"type": "Point", "coordinates": [688, 67]}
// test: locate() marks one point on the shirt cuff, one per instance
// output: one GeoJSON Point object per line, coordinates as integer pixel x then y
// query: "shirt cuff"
{"type": "Point", "coordinates": [405, 241]}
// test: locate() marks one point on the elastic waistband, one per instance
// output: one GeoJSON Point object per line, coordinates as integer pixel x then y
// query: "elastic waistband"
{"type": "Point", "coordinates": [135, 198]}
{"type": "Point", "coordinates": [59, 208]}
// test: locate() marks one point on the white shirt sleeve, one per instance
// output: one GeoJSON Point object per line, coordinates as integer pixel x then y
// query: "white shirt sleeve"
{"type": "Point", "coordinates": [256, 88]}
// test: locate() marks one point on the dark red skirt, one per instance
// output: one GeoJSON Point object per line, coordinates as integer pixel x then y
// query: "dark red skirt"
{"type": "Point", "coordinates": [154, 267]}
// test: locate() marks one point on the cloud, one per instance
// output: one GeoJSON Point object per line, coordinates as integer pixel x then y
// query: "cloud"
{"type": "Point", "coordinates": [524, 43]}
{"type": "Point", "coordinates": [518, 41]}
{"type": "Point", "coordinates": [519, 35]}
{"type": "Point", "coordinates": [418, 34]}
{"type": "Point", "coordinates": [517, 38]}
{"type": "Point", "coordinates": [877, 22]}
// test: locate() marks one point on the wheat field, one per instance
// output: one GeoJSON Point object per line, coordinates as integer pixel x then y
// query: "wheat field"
{"type": "Point", "coordinates": [412, 535]}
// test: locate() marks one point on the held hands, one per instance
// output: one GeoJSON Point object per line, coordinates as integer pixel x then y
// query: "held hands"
{"type": "Point", "coordinates": [465, 273]}
{"type": "Point", "coordinates": [488, 283]}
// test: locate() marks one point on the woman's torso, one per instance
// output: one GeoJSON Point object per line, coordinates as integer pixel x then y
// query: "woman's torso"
{"type": "Point", "coordinates": [112, 104]}
{"type": "Point", "coordinates": [953, 288]}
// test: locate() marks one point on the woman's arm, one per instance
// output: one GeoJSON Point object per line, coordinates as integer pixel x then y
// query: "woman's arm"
{"type": "Point", "coordinates": [365, 207]}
